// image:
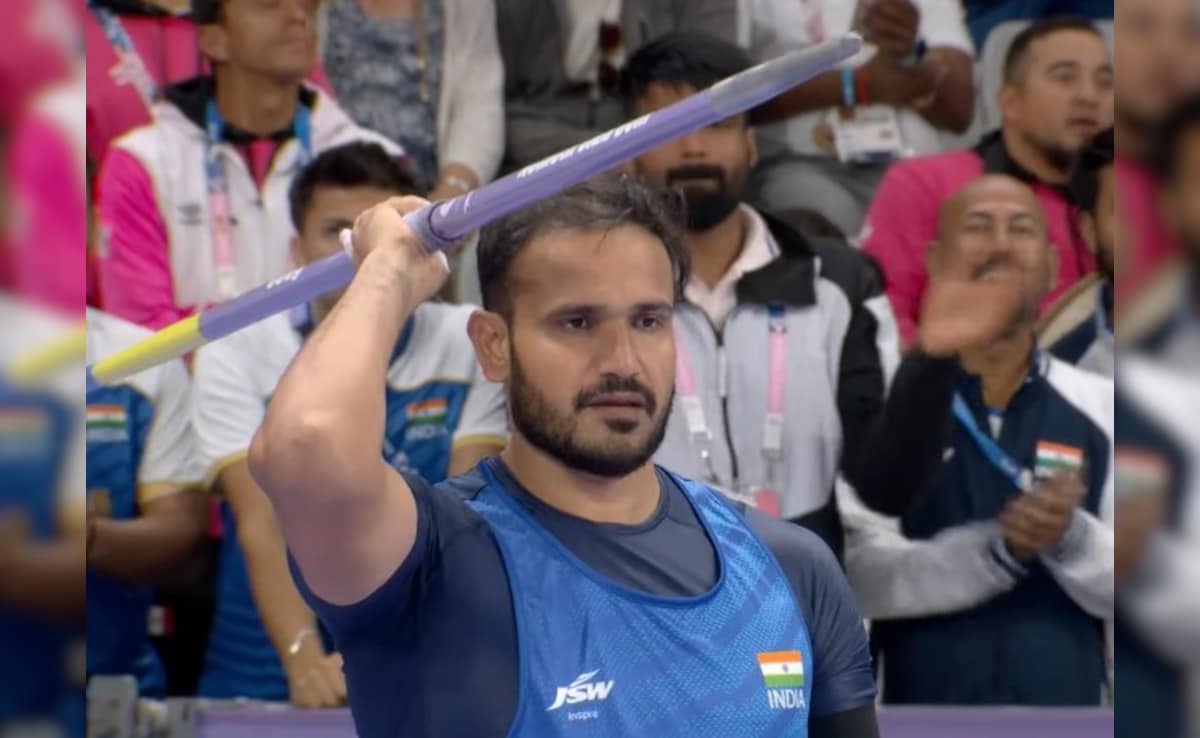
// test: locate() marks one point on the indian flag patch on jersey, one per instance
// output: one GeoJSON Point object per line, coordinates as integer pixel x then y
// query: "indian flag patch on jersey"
{"type": "Point", "coordinates": [1138, 470]}
{"type": "Point", "coordinates": [1056, 458]}
{"type": "Point", "coordinates": [431, 411]}
{"type": "Point", "coordinates": [106, 424]}
{"type": "Point", "coordinates": [781, 668]}
{"type": "Point", "coordinates": [22, 428]}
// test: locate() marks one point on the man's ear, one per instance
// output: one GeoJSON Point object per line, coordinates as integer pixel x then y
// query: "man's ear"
{"type": "Point", "coordinates": [933, 259]}
{"type": "Point", "coordinates": [213, 42]}
{"type": "Point", "coordinates": [1006, 99]}
{"type": "Point", "coordinates": [294, 250]}
{"type": "Point", "coordinates": [488, 332]}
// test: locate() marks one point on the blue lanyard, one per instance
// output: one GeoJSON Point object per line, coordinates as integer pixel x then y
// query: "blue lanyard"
{"type": "Point", "coordinates": [118, 37]}
{"type": "Point", "coordinates": [219, 206]}
{"type": "Point", "coordinates": [215, 168]}
{"type": "Point", "coordinates": [1021, 477]}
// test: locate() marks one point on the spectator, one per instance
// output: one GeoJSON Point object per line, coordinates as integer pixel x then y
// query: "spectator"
{"type": "Point", "coordinates": [1171, 330]}
{"type": "Point", "coordinates": [442, 417]}
{"type": "Point", "coordinates": [844, 127]}
{"type": "Point", "coordinates": [193, 208]}
{"type": "Point", "coordinates": [42, 543]}
{"type": "Point", "coordinates": [1157, 559]}
{"type": "Point", "coordinates": [1057, 84]}
{"type": "Point", "coordinates": [562, 60]}
{"type": "Point", "coordinates": [752, 275]}
{"type": "Point", "coordinates": [984, 15]}
{"type": "Point", "coordinates": [146, 513]}
{"type": "Point", "coordinates": [135, 48]}
{"type": "Point", "coordinates": [427, 74]}
{"type": "Point", "coordinates": [1000, 591]}
{"type": "Point", "coordinates": [1079, 328]}
{"type": "Point", "coordinates": [48, 223]}
{"type": "Point", "coordinates": [1159, 57]}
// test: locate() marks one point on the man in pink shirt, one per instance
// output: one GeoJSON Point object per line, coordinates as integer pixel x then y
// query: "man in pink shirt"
{"type": "Point", "coordinates": [1057, 92]}
{"type": "Point", "coordinates": [1159, 57]}
{"type": "Point", "coordinates": [193, 208]}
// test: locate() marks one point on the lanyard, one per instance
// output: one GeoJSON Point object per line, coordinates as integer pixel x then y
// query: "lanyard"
{"type": "Point", "coordinates": [693, 407]}
{"type": "Point", "coordinates": [1021, 477]}
{"type": "Point", "coordinates": [218, 192]}
{"type": "Point", "coordinates": [131, 63]}
{"type": "Point", "coordinates": [772, 443]}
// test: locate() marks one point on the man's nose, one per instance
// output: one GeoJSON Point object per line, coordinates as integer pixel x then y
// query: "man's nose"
{"type": "Point", "coordinates": [618, 355]}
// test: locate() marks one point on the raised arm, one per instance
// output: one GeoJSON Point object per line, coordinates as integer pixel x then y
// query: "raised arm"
{"type": "Point", "coordinates": [348, 518]}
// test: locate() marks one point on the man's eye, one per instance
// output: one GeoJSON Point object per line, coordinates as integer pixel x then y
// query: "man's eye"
{"type": "Point", "coordinates": [649, 322]}
{"type": "Point", "coordinates": [576, 323]}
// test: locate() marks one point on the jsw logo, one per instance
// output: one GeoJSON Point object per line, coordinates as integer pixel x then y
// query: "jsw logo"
{"type": "Point", "coordinates": [582, 690]}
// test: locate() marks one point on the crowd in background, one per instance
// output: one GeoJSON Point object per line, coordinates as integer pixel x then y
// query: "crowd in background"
{"type": "Point", "coordinates": [870, 215]}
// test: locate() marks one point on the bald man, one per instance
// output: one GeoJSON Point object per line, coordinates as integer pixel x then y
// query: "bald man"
{"type": "Point", "coordinates": [993, 586]}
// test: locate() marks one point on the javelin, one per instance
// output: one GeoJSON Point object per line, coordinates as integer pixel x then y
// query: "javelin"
{"type": "Point", "coordinates": [441, 225]}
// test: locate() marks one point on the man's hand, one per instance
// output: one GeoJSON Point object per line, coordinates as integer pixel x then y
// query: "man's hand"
{"type": "Point", "coordinates": [1033, 522]}
{"type": "Point", "coordinates": [1138, 516]}
{"type": "Point", "coordinates": [315, 679]}
{"type": "Point", "coordinates": [381, 234]}
{"type": "Point", "coordinates": [958, 315]}
{"type": "Point", "coordinates": [892, 25]}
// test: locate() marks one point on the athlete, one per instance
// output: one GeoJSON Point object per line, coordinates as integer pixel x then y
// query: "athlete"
{"type": "Point", "coordinates": [567, 586]}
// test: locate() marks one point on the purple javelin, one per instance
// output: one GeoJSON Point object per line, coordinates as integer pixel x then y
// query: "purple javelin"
{"type": "Point", "coordinates": [440, 225]}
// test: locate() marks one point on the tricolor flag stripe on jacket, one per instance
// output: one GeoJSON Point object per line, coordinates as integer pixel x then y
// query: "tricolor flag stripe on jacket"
{"type": "Point", "coordinates": [1059, 456]}
{"type": "Point", "coordinates": [105, 416]}
{"type": "Point", "coordinates": [427, 411]}
{"type": "Point", "coordinates": [781, 668]}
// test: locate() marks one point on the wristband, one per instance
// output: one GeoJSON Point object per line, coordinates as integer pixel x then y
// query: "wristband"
{"type": "Point", "coordinates": [848, 98]}
{"type": "Point", "coordinates": [860, 86]}
{"type": "Point", "coordinates": [298, 641]}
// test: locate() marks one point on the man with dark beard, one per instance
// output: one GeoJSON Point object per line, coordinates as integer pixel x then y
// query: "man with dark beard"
{"type": "Point", "coordinates": [568, 586]}
{"type": "Point", "coordinates": [784, 342]}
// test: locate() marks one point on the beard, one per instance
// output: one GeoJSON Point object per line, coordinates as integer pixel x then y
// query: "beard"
{"type": "Point", "coordinates": [554, 433]}
{"type": "Point", "coordinates": [707, 206]}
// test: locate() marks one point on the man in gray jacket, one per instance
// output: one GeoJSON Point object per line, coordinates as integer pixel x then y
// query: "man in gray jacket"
{"type": "Point", "coordinates": [562, 59]}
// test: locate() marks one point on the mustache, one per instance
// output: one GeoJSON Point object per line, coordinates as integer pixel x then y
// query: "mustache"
{"type": "Point", "coordinates": [617, 384]}
{"type": "Point", "coordinates": [992, 262]}
{"type": "Point", "coordinates": [695, 171]}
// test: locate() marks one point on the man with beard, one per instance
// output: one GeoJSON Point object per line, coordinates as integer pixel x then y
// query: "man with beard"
{"type": "Point", "coordinates": [994, 587]}
{"type": "Point", "coordinates": [1057, 93]}
{"type": "Point", "coordinates": [1079, 329]}
{"type": "Point", "coordinates": [774, 433]}
{"type": "Point", "coordinates": [1159, 56]}
{"type": "Point", "coordinates": [568, 580]}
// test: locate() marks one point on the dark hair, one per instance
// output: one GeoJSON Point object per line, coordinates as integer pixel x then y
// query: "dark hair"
{"type": "Point", "coordinates": [690, 58]}
{"type": "Point", "coordinates": [1097, 156]}
{"type": "Point", "coordinates": [206, 12]}
{"type": "Point", "coordinates": [603, 202]}
{"type": "Point", "coordinates": [1018, 50]}
{"type": "Point", "coordinates": [1180, 123]}
{"type": "Point", "coordinates": [358, 164]}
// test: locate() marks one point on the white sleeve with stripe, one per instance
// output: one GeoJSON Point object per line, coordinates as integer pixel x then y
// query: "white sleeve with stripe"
{"type": "Point", "coordinates": [170, 456]}
{"type": "Point", "coordinates": [1082, 562]}
{"type": "Point", "coordinates": [227, 408]}
{"type": "Point", "coordinates": [484, 413]}
{"type": "Point", "coordinates": [895, 577]}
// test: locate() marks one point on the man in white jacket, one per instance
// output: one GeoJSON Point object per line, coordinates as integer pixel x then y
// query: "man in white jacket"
{"type": "Point", "coordinates": [193, 207]}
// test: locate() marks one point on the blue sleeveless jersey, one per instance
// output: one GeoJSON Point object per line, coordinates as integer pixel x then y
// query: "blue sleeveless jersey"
{"type": "Point", "coordinates": [34, 430]}
{"type": "Point", "coordinates": [597, 659]}
{"type": "Point", "coordinates": [119, 420]}
{"type": "Point", "coordinates": [240, 660]}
